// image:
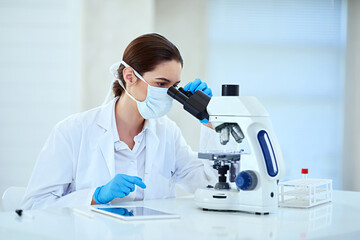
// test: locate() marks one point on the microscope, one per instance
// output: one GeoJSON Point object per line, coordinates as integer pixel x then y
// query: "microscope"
{"type": "Point", "coordinates": [252, 189]}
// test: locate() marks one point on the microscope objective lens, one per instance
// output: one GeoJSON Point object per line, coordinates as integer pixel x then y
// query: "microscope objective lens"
{"type": "Point", "coordinates": [224, 136]}
{"type": "Point", "coordinates": [237, 133]}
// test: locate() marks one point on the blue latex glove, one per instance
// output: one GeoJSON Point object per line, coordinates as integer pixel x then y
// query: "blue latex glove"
{"type": "Point", "coordinates": [198, 85]}
{"type": "Point", "coordinates": [120, 186]}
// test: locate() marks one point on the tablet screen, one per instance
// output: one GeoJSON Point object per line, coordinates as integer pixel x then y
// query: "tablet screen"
{"type": "Point", "coordinates": [135, 212]}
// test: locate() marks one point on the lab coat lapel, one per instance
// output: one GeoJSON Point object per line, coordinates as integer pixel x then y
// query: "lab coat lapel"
{"type": "Point", "coordinates": [106, 145]}
{"type": "Point", "coordinates": [106, 140]}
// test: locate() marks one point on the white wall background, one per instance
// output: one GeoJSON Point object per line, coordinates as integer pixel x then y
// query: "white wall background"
{"type": "Point", "coordinates": [55, 54]}
{"type": "Point", "coordinates": [39, 79]}
{"type": "Point", "coordinates": [289, 54]}
{"type": "Point", "coordinates": [351, 157]}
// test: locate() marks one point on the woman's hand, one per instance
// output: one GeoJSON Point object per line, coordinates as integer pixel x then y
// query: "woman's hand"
{"type": "Point", "coordinates": [119, 187]}
{"type": "Point", "coordinates": [209, 125]}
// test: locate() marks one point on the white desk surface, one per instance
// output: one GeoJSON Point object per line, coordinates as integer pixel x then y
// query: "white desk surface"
{"type": "Point", "coordinates": [337, 220]}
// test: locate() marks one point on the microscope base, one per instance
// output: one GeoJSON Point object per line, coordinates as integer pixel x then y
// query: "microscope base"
{"type": "Point", "coordinates": [234, 200]}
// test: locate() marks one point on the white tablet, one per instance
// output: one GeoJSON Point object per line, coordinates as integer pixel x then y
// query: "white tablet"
{"type": "Point", "coordinates": [134, 213]}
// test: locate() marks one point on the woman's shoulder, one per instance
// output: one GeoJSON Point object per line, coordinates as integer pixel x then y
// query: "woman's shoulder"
{"type": "Point", "coordinates": [79, 121]}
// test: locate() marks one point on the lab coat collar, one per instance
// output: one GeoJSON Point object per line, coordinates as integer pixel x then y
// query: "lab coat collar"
{"type": "Point", "coordinates": [104, 118]}
{"type": "Point", "coordinates": [145, 128]}
{"type": "Point", "coordinates": [106, 141]}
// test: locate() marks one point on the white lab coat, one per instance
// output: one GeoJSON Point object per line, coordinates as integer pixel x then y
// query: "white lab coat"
{"type": "Point", "coordinates": [78, 157]}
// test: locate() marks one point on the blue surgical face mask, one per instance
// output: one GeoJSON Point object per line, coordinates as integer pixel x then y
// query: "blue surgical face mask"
{"type": "Point", "coordinates": [157, 103]}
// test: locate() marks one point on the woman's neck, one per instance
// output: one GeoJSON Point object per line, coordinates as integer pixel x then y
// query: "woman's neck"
{"type": "Point", "coordinates": [129, 122]}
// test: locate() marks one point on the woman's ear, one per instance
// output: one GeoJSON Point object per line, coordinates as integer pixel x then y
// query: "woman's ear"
{"type": "Point", "coordinates": [129, 76]}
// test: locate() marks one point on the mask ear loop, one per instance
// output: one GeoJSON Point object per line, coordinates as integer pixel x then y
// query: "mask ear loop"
{"type": "Point", "coordinates": [113, 70]}
{"type": "Point", "coordinates": [135, 72]}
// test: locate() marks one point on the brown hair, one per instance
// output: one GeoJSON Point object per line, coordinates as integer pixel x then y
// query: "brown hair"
{"type": "Point", "coordinates": [144, 53]}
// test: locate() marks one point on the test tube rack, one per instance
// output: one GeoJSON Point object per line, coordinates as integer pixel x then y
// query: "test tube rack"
{"type": "Point", "coordinates": [305, 193]}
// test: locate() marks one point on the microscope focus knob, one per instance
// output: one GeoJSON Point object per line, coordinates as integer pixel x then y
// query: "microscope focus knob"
{"type": "Point", "coordinates": [246, 180]}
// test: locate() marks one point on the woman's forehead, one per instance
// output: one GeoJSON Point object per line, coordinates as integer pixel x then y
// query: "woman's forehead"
{"type": "Point", "coordinates": [169, 70]}
{"type": "Point", "coordinates": [173, 66]}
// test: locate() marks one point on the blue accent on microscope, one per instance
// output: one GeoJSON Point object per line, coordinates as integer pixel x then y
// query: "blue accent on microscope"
{"type": "Point", "coordinates": [246, 180]}
{"type": "Point", "coordinates": [268, 152]}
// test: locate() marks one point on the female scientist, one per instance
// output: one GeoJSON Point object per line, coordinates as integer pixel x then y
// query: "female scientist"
{"type": "Point", "coordinates": [127, 149]}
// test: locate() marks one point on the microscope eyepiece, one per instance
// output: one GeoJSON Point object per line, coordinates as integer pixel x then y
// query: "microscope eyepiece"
{"type": "Point", "coordinates": [230, 90]}
{"type": "Point", "coordinates": [194, 103]}
{"type": "Point", "coordinates": [177, 95]}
